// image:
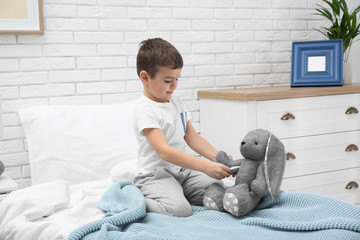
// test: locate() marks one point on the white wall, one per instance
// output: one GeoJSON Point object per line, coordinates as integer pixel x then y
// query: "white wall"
{"type": "Point", "coordinates": [354, 56]}
{"type": "Point", "coordinates": [87, 54]}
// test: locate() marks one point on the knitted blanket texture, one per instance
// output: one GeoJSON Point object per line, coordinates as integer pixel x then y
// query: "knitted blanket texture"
{"type": "Point", "coordinates": [293, 215]}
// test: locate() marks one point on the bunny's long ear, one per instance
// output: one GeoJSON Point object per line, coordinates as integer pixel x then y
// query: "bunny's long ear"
{"type": "Point", "coordinates": [274, 165]}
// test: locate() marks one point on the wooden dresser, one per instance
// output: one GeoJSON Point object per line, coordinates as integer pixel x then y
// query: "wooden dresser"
{"type": "Point", "coordinates": [319, 126]}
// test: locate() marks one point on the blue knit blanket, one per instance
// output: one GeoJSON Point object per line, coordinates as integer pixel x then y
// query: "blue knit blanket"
{"type": "Point", "coordinates": [293, 215]}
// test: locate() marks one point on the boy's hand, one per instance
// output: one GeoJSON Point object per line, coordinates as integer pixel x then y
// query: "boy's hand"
{"type": "Point", "coordinates": [217, 170]}
{"type": "Point", "coordinates": [231, 158]}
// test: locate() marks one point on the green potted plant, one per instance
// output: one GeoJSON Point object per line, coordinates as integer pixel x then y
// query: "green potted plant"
{"type": "Point", "coordinates": [344, 25]}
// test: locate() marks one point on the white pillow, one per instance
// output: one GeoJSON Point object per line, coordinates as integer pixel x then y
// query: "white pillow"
{"type": "Point", "coordinates": [78, 143]}
{"type": "Point", "coordinates": [124, 170]}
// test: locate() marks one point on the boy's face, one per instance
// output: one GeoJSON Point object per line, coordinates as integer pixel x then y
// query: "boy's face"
{"type": "Point", "coordinates": [160, 87]}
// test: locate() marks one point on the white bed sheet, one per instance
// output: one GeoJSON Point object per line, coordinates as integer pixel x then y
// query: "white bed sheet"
{"type": "Point", "coordinates": [50, 210]}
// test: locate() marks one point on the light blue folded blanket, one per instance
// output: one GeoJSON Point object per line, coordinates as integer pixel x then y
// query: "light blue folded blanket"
{"type": "Point", "coordinates": [293, 215]}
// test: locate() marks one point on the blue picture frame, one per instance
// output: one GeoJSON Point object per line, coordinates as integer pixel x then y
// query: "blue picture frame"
{"type": "Point", "coordinates": [317, 63]}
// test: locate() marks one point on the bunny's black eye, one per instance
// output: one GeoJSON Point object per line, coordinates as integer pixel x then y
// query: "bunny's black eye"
{"type": "Point", "coordinates": [256, 143]}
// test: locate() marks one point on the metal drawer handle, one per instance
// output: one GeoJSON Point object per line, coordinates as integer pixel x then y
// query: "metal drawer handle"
{"type": "Point", "coordinates": [351, 148]}
{"type": "Point", "coordinates": [351, 110]}
{"type": "Point", "coordinates": [352, 185]}
{"type": "Point", "coordinates": [290, 156]}
{"type": "Point", "coordinates": [287, 116]}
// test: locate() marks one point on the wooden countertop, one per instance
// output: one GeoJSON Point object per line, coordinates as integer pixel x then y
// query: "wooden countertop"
{"type": "Point", "coordinates": [277, 92]}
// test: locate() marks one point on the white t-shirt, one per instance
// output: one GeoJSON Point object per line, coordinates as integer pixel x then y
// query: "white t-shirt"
{"type": "Point", "coordinates": [171, 118]}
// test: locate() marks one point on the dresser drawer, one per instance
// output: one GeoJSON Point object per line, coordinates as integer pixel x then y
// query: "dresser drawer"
{"type": "Point", "coordinates": [309, 116]}
{"type": "Point", "coordinates": [322, 153]}
{"type": "Point", "coordinates": [330, 183]}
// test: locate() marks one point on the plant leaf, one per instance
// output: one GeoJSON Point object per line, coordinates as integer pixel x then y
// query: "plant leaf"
{"type": "Point", "coordinates": [325, 13]}
{"type": "Point", "coordinates": [335, 6]}
{"type": "Point", "coordinates": [344, 24]}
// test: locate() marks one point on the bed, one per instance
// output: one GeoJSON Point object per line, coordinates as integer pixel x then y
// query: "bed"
{"type": "Point", "coordinates": [82, 161]}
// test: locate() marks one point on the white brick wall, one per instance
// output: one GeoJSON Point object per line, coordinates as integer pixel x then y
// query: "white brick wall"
{"type": "Point", "coordinates": [87, 54]}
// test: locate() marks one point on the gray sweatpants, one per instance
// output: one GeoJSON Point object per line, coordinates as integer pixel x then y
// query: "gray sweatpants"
{"type": "Point", "coordinates": [173, 193]}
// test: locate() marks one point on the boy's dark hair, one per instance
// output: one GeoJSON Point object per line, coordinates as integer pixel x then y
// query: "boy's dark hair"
{"type": "Point", "coordinates": [156, 53]}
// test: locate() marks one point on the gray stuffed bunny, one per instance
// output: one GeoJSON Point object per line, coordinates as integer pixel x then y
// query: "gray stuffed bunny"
{"type": "Point", "coordinates": [2, 167]}
{"type": "Point", "coordinates": [261, 170]}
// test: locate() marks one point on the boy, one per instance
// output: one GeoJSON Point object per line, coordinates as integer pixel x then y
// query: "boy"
{"type": "Point", "coordinates": [169, 179]}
